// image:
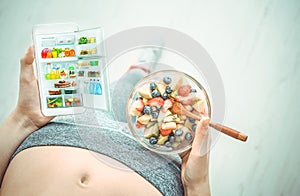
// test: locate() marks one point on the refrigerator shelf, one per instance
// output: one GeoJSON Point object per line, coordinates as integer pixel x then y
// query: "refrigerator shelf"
{"type": "Point", "coordinates": [60, 79]}
{"type": "Point", "coordinates": [51, 60]}
{"type": "Point", "coordinates": [89, 56]}
{"type": "Point", "coordinates": [87, 45]}
{"type": "Point", "coordinates": [54, 96]}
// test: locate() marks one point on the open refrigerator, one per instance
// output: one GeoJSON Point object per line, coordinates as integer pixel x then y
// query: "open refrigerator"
{"type": "Point", "coordinates": [71, 69]}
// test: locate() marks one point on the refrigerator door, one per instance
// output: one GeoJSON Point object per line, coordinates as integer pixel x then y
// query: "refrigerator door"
{"type": "Point", "coordinates": [92, 70]}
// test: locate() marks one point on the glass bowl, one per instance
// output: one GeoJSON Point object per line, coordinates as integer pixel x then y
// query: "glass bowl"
{"type": "Point", "coordinates": [163, 108]}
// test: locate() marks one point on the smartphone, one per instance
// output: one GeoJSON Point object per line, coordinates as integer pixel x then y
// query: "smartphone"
{"type": "Point", "coordinates": [70, 66]}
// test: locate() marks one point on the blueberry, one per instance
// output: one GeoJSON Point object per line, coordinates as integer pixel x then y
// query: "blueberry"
{"type": "Point", "coordinates": [193, 90]}
{"type": "Point", "coordinates": [154, 114]}
{"type": "Point", "coordinates": [168, 90]}
{"type": "Point", "coordinates": [188, 136]}
{"type": "Point", "coordinates": [172, 138]}
{"type": "Point", "coordinates": [152, 86]}
{"type": "Point", "coordinates": [164, 96]}
{"type": "Point", "coordinates": [153, 140]}
{"type": "Point", "coordinates": [178, 132]}
{"type": "Point", "coordinates": [192, 120]}
{"type": "Point", "coordinates": [194, 127]}
{"type": "Point", "coordinates": [147, 110]}
{"type": "Point", "coordinates": [155, 93]}
{"type": "Point", "coordinates": [167, 80]}
{"type": "Point", "coordinates": [168, 144]}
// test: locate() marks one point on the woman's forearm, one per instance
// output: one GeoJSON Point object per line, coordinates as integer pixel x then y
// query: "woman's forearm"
{"type": "Point", "coordinates": [201, 189]}
{"type": "Point", "coordinates": [12, 132]}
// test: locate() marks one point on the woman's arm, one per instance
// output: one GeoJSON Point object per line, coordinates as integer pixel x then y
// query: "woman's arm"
{"type": "Point", "coordinates": [195, 163]}
{"type": "Point", "coordinates": [25, 118]}
{"type": "Point", "coordinates": [12, 132]}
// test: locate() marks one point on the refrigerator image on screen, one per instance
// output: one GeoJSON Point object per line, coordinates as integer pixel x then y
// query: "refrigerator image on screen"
{"type": "Point", "coordinates": [71, 69]}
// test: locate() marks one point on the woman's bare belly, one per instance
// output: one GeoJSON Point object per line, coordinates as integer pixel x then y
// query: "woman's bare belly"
{"type": "Point", "coordinates": [54, 170]}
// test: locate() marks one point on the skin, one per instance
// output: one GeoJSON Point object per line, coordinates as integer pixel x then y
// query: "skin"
{"type": "Point", "coordinates": [27, 118]}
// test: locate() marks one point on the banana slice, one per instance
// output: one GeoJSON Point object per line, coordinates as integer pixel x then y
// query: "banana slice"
{"type": "Point", "coordinates": [145, 91]}
{"type": "Point", "coordinates": [161, 88]}
{"type": "Point", "coordinates": [151, 131]}
{"type": "Point", "coordinates": [199, 106]}
{"type": "Point", "coordinates": [144, 119]}
{"type": "Point", "coordinates": [168, 125]}
{"type": "Point", "coordinates": [170, 118]}
{"type": "Point", "coordinates": [162, 139]}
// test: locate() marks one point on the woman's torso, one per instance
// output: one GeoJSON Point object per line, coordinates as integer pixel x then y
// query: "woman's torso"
{"type": "Point", "coordinates": [56, 170]}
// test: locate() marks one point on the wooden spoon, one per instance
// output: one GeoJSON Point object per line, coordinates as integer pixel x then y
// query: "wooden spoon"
{"type": "Point", "coordinates": [178, 108]}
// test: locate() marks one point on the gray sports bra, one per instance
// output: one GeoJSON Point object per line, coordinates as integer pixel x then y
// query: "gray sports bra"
{"type": "Point", "coordinates": [98, 132]}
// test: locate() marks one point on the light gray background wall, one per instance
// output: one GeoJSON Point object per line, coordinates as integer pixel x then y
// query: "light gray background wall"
{"type": "Point", "coordinates": [255, 44]}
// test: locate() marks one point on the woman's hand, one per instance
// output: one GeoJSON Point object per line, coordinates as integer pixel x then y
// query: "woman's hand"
{"type": "Point", "coordinates": [29, 102]}
{"type": "Point", "coordinates": [195, 163]}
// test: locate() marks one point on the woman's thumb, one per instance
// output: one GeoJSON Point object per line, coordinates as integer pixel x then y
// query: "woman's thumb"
{"type": "Point", "coordinates": [27, 70]}
{"type": "Point", "coordinates": [200, 145]}
{"type": "Point", "coordinates": [28, 57]}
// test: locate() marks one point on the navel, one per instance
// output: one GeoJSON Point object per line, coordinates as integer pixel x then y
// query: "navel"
{"type": "Point", "coordinates": [84, 180]}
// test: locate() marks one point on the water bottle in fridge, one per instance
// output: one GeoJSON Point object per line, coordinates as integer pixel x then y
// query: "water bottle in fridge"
{"type": "Point", "coordinates": [92, 86]}
{"type": "Point", "coordinates": [98, 89]}
{"type": "Point", "coordinates": [86, 87]}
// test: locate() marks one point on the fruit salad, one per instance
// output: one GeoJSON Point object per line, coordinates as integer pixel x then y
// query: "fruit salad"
{"type": "Point", "coordinates": [165, 110]}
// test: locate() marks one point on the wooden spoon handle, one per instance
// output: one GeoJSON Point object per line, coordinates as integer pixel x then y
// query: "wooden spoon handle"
{"type": "Point", "coordinates": [179, 109]}
{"type": "Point", "coordinates": [191, 115]}
{"type": "Point", "coordinates": [229, 131]}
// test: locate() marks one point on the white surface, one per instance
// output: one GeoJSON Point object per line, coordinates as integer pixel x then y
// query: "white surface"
{"type": "Point", "coordinates": [255, 44]}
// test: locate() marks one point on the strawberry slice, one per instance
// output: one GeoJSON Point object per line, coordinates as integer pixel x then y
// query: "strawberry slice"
{"type": "Point", "coordinates": [165, 132]}
{"type": "Point", "coordinates": [139, 125]}
{"type": "Point", "coordinates": [184, 90]}
{"type": "Point", "coordinates": [166, 128]}
{"type": "Point", "coordinates": [157, 101]}
{"type": "Point", "coordinates": [138, 105]}
{"type": "Point", "coordinates": [167, 104]}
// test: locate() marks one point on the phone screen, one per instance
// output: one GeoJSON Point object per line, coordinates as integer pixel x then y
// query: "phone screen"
{"type": "Point", "coordinates": [70, 67]}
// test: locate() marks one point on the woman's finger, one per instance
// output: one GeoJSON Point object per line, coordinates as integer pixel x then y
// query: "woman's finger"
{"type": "Point", "coordinates": [200, 144]}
